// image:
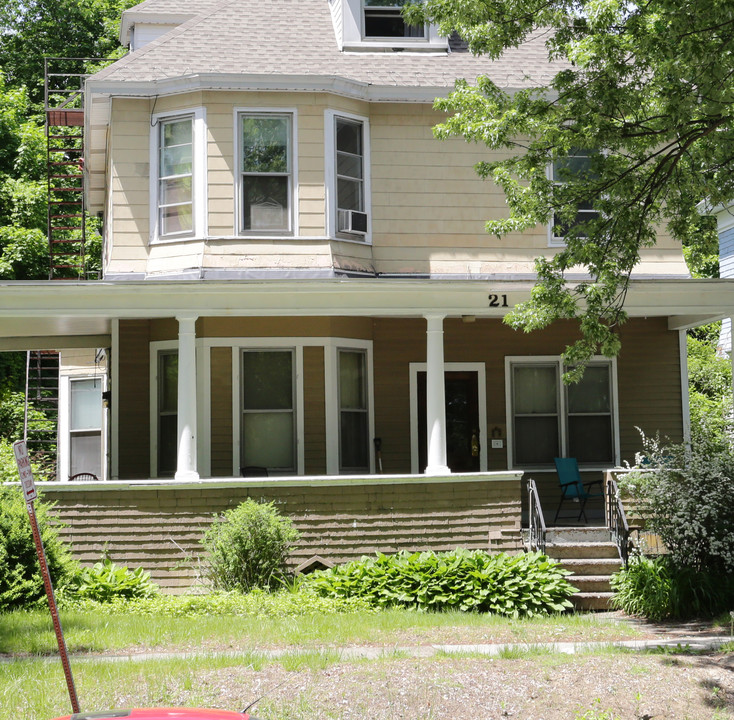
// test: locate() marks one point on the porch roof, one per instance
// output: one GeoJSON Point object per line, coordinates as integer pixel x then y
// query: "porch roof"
{"type": "Point", "coordinates": [42, 314]}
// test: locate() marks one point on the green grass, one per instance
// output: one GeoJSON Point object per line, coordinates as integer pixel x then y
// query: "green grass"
{"type": "Point", "coordinates": [32, 632]}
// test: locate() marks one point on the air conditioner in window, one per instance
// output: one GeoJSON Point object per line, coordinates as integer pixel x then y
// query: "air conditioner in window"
{"type": "Point", "coordinates": [351, 221]}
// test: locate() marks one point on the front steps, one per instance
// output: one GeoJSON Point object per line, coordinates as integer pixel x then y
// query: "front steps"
{"type": "Point", "coordinates": [591, 556]}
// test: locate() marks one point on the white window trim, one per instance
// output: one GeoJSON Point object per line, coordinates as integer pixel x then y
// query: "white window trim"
{"type": "Point", "coordinates": [64, 450]}
{"type": "Point", "coordinates": [294, 188]}
{"type": "Point", "coordinates": [331, 398]}
{"type": "Point", "coordinates": [353, 34]}
{"type": "Point", "coordinates": [480, 369]}
{"type": "Point", "coordinates": [557, 360]}
{"type": "Point", "coordinates": [330, 117]}
{"type": "Point", "coordinates": [199, 173]}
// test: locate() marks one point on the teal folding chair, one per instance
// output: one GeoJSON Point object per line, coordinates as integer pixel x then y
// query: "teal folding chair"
{"type": "Point", "coordinates": [572, 487]}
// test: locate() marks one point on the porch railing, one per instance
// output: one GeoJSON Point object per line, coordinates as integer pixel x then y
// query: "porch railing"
{"type": "Point", "coordinates": [537, 521]}
{"type": "Point", "coordinates": [617, 519]}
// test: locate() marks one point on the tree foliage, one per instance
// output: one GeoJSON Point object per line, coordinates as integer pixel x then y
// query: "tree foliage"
{"type": "Point", "coordinates": [34, 29]}
{"type": "Point", "coordinates": [647, 88]}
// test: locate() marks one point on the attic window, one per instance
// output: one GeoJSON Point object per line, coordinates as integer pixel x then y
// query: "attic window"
{"type": "Point", "coordinates": [383, 19]}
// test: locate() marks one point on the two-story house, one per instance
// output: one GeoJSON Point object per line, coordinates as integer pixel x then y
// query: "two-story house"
{"type": "Point", "coordinates": [298, 291]}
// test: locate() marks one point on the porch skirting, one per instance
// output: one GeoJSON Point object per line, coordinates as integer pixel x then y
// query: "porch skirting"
{"type": "Point", "coordinates": [157, 524]}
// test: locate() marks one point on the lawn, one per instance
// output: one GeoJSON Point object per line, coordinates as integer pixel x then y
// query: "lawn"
{"type": "Point", "coordinates": [314, 676]}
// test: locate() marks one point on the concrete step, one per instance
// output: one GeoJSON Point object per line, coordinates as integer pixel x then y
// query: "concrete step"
{"type": "Point", "coordinates": [590, 583]}
{"type": "Point", "coordinates": [591, 566]}
{"type": "Point", "coordinates": [581, 551]}
{"type": "Point", "coordinates": [577, 534]}
{"type": "Point", "coordinates": [592, 600]}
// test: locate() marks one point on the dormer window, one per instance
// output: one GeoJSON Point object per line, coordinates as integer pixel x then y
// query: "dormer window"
{"type": "Point", "coordinates": [384, 19]}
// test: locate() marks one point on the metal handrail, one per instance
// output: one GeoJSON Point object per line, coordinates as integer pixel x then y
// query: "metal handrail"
{"type": "Point", "coordinates": [536, 540]}
{"type": "Point", "coordinates": [617, 519]}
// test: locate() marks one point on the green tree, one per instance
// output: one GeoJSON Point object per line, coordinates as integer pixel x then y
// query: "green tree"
{"type": "Point", "coordinates": [645, 90]}
{"type": "Point", "coordinates": [34, 29]}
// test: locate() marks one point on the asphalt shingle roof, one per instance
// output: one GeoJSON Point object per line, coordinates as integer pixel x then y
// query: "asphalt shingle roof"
{"type": "Point", "coordinates": [296, 37]}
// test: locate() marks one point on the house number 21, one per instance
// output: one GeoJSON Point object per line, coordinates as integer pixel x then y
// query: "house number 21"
{"type": "Point", "coordinates": [498, 301]}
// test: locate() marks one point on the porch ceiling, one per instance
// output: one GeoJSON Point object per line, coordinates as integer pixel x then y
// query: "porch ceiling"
{"type": "Point", "coordinates": [71, 314]}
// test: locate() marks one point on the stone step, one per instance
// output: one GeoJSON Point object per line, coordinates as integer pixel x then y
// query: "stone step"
{"type": "Point", "coordinates": [579, 551]}
{"type": "Point", "coordinates": [577, 534]}
{"type": "Point", "coordinates": [592, 600]}
{"type": "Point", "coordinates": [591, 566]}
{"type": "Point", "coordinates": [590, 583]}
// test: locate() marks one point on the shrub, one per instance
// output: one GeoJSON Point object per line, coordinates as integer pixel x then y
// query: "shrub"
{"type": "Point", "coordinates": [686, 496]}
{"type": "Point", "coordinates": [21, 584]}
{"type": "Point", "coordinates": [105, 581]}
{"type": "Point", "coordinates": [247, 547]}
{"type": "Point", "coordinates": [659, 589]}
{"type": "Point", "coordinates": [521, 585]}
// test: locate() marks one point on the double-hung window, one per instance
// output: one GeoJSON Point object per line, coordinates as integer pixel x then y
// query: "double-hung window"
{"type": "Point", "coordinates": [383, 19]}
{"type": "Point", "coordinates": [577, 165]}
{"type": "Point", "coordinates": [268, 410]}
{"type": "Point", "coordinates": [85, 426]}
{"type": "Point", "coordinates": [266, 172]}
{"type": "Point", "coordinates": [178, 176]}
{"type": "Point", "coordinates": [550, 419]}
{"type": "Point", "coordinates": [353, 411]}
{"type": "Point", "coordinates": [348, 141]}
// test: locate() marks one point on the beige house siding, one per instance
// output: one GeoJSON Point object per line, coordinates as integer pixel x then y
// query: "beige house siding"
{"type": "Point", "coordinates": [428, 207]}
{"type": "Point", "coordinates": [158, 528]}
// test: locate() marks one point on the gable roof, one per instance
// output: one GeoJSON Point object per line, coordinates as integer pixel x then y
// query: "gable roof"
{"type": "Point", "coordinates": [227, 42]}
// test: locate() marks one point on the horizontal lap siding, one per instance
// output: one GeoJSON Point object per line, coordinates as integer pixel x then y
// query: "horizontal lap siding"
{"type": "Point", "coordinates": [314, 411]}
{"type": "Point", "coordinates": [221, 412]}
{"type": "Point", "coordinates": [134, 399]}
{"type": "Point", "coordinates": [160, 529]}
{"type": "Point", "coordinates": [648, 376]}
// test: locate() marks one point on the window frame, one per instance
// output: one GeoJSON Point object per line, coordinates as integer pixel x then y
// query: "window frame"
{"type": "Point", "coordinates": [332, 202]}
{"type": "Point", "coordinates": [557, 240]}
{"type": "Point", "coordinates": [199, 173]}
{"type": "Point", "coordinates": [293, 195]}
{"type": "Point", "coordinates": [562, 410]}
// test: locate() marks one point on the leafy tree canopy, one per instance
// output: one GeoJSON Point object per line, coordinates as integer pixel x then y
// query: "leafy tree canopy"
{"type": "Point", "coordinates": [646, 90]}
{"type": "Point", "coordinates": [34, 29]}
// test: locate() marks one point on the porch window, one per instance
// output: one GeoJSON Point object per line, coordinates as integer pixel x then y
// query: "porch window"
{"type": "Point", "coordinates": [576, 165]}
{"type": "Point", "coordinates": [175, 177]}
{"type": "Point", "coordinates": [353, 411]}
{"type": "Point", "coordinates": [550, 419]}
{"type": "Point", "coordinates": [383, 19]}
{"type": "Point", "coordinates": [266, 172]}
{"type": "Point", "coordinates": [167, 412]}
{"type": "Point", "coordinates": [268, 410]}
{"type": "Point", "coordinates": [85, 427]}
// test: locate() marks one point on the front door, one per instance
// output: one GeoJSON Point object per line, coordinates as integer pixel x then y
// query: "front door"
{"type": "Point", "coordinates": [463, 435]}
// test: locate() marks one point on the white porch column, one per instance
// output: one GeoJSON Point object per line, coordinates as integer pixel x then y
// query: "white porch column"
{"type": "Point", "coordinates": [435, 398]}
{"type": "Point", "coordinates": [186, 460]}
